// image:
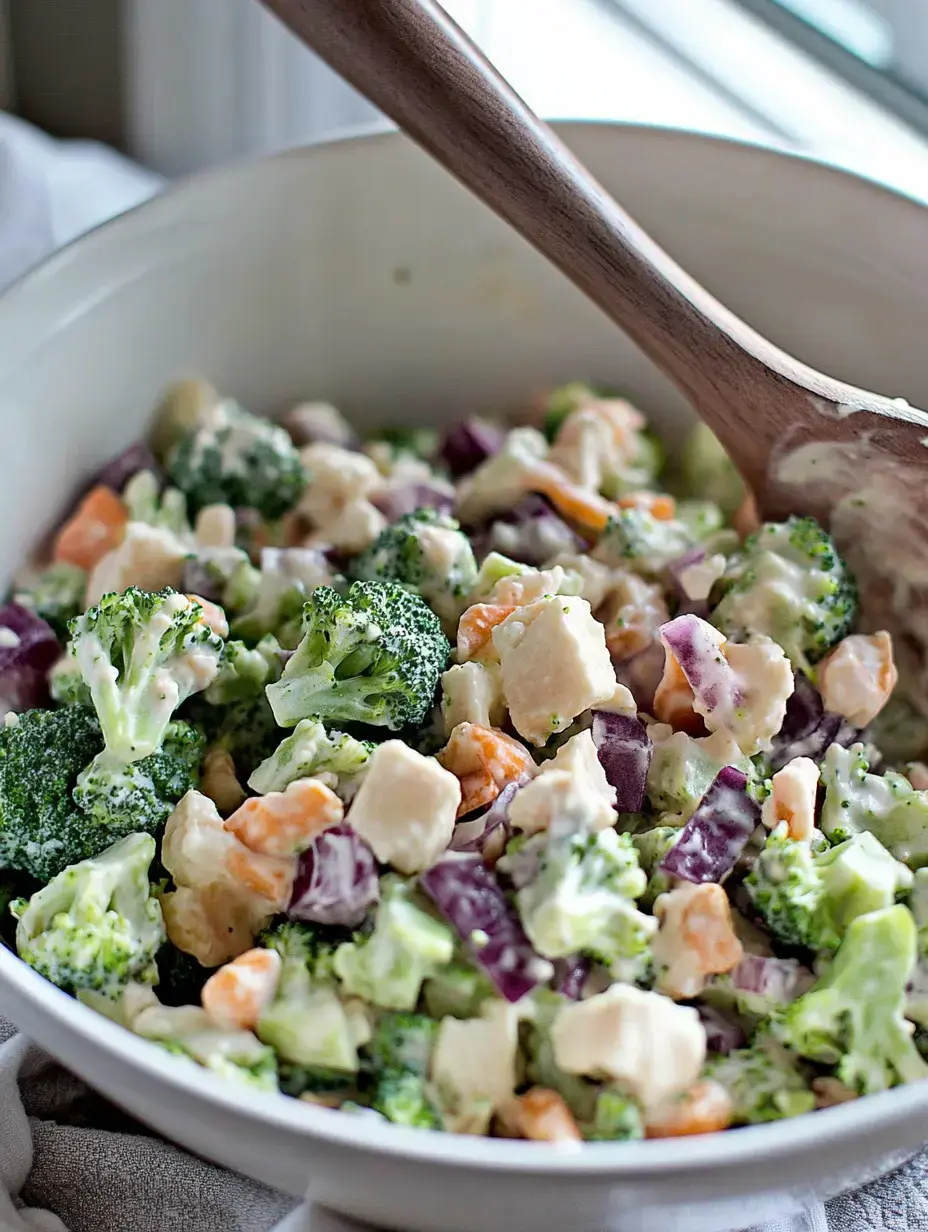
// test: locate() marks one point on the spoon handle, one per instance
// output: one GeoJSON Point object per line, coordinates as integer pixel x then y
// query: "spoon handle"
{"type": "Point", "coordinates": [414, 63]}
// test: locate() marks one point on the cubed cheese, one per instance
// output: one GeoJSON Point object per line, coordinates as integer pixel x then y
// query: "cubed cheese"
{"type": "Point", "coordinates": [554, 664]}
{"type": "Point", "coordinates": [643, 1040]}
{"type": "Point", "coordinates": [696, 939]}
{"type": "Point", "coordinates": [351, 528]}
{"type": "Point", "coordinates": [857, 678]}
{"type": "Point", "coordinates": [149, 557]}
{"type": "Point", "coordinates": [521, 588]}
{"type": "Point", "coordinates": [594, 577]}
{"type": "Point", "coordinates": [472, 693]}
{"type": "Point", "coordinates": [793, 792]}
{"type": "Point", "coordinates": [335, 478]}
{"type": "Point", "coordinates": [571, 792]}
{"type": "Point", "coordinates": [406, 807]}
{"type": "Point", "coordinates": [474, 1067]}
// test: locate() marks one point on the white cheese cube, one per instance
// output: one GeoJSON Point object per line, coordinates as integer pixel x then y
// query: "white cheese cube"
{"type": "Point", "coordinates": [474, 1067]}
{"type": "Point", "coordinates": [406, 807]}
{"type": "Point", "coordinates": [472, 693]}
{"type": "Point", "coordinates": [554, 663]}
{"type": "Point", "coordinates": [643, 1040]}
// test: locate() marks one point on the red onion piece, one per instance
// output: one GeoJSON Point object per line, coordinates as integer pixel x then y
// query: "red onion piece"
{"type": "Point", "coordinates": [473, 834]}
{"type": "Point", "coordinates": [394, 502]}
{"type": "Point", "coordinates": [468, 896]}
{"type": "Point", "coordinates": [336, 881]}
{"type": "Point", "coordinates": [28, 649]}
{"type": "Point", "coordinates": [722, 1034]}
{"type": "Point", "coordinates": [570, 975]}
{"type": "Point", "coordinates": [119, 470]}
{"type": "Point", "coordinates": [778, 979]}
{"type": "Point", "coordinates": [468, 443]}
{"type": "Point", "coordinates": [808, 728]}
{"type": "Point", "coordinates": [695, 643]}
{"type": "Point", "coordinates": [715, 835]}
{"type": "Point", "coordinates": [624, 749]}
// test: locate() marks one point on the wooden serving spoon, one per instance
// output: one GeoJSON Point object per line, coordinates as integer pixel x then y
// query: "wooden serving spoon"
{"type": "Point", "coordinates": [805, 442]}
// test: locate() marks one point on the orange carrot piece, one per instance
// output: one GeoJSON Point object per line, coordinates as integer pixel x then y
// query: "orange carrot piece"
{"type": "Point", "coordinates": [542, 1116]}
{"type": "Point", "coordinates": [658, 504]}
{"type": "Point", "coordinates": [484, 760]}
{"type": "Point", "coordinates": [475, 628]}
{"type": "Point", "coordinates": [236, 994]}
{"type": "Point", "coordinates": [704, 1109]}
{"type": "Point", "coordinates": [588, 511]}
{"type": "Point", "coordinates": [270, 877]}
{"type": "Point", "coordinates": [673, 700]}
{"type": "Point", "coordinates": [284, 823]}
{"type": "Point", "coordinates": [97, 526]}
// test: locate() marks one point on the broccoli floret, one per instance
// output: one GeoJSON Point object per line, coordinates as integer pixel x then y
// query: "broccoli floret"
{"type": "Point", "coordinates": [325, 1086]}
{"type": "Point", "coordinates": [617, 1119]}
{"type": "Point", "coordinates": [886, 805]}
{"type": "Point", "coordinates": [808, 898]}
{"type": "Point", "coordinates": [681, 770]}
{"type": "Point", "coordinates": [140, 797]}
{"type": "Point", "coordinates": [456, 991]}
{"type": "Point", "coordinates": [306, 1023]}
{"type": "Point", "coordinates": [637, 540]}
{"type": "Point", "coordinates": [373, 657]}
{"type": "Point", "coordinates": [95, 925]}
{"type": "Point", "coordinates": [41, 755]}
{"type": "Point", "coordinates": [287, 578]}
{"type": "Point", "coordinates": [563, 401]}
{"type": "Point", "coordinates": [789, 583]}
{"type": "Point", "coordinates": [141, 655]}
{"type": "Point", "coordinates": [233, 1055]}
{"type": "Point", "coordinates": [244, 672]}
{"type": "Point", "coordinates": [854, 1016]}
{"type": "Point", "coordinates": [765, 1082]}
{"type": "Point", "coordinates": [407, 945]}
{"type": "Point", "coordinates": [66, 684]}
{"type": "Point", "coordinates": [308, 944]}
{"type": "Point", "coordinates": [425, 552]}
{"type": "Point", "coordinates": [652, 845]}
{"type": "Point", "coordinates": [400, 1052]}
{"type": "Point", "coordinates": [223, 575]}
{"type": "Point", "coordinates": [311, 750]}
{"type": "Point", "coordinates": [541, 1068]}
{"type": "Point", "coordinates": [56, 594]}
{"type": "Point", "coordinates": [583, 901]}
{"type": "Point", "coordinates": [145, 502]}
{"type": "Point", "coordinates": [246, 729]}
{"type": "Point", "coordinates": [707, 472]}
{"type": "Point", "coordinates": [237, 459]}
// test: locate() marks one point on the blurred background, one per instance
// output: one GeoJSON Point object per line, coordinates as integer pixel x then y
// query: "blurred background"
{"type": "Point", "coordinates": [179, 85]}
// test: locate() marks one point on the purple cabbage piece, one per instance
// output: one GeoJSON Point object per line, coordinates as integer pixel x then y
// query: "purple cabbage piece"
{"type": "Point", "coordinates": [394, 502]}
{"type": "Point", "coordinates": [777, 979]}
{"type": "Point", "coordinates": [722, 1033]}
{"type": "Point", "coordinates": [808, 728]}
{"type": "Point", "coordinates": [624, 749]}
{"type": "Point", "coordinates": [715, 835]}
{"type": "Point", "coordinates": [468, 896]}
{"type": "Point", "coordinates": [641, 674]}
{"type": "Point", "coordinates": [119, 470]}
{"type": "Point", "coordinates": [473, 835]}
{"type": "Point", "coordinates": [28, 648]}
{"type": "Point", "coordinates": [336, 881]}
{"type": "Point", "coordinates": [676, 568]}
{"type": "Point", "coordinates": [531, 532]}
{"type": "Point", "coordinates": [468, 443]}
{"type": "Point", "coordinates": [694, 645]}
{"type": "Point", "coordinates": [570, 975]}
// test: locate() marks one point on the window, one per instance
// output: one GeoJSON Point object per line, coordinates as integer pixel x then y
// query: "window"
{"type": "Point", "coordinates": [879, 45]}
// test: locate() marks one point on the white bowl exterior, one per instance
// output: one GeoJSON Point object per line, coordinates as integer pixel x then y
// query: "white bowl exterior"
{"type": "Point", "coordinates": [361, 273]}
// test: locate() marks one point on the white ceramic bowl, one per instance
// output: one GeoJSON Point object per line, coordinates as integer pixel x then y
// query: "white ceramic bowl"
{"type": "Point", "coordinates": [360, 273]}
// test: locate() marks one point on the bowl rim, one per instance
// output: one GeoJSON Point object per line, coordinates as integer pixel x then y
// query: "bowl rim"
{"type": "Point", "coordinates": [849, 1121]}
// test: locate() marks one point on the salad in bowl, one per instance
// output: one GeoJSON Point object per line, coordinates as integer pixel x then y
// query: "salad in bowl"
{"type": "Point", "coordinates": [511, 780]}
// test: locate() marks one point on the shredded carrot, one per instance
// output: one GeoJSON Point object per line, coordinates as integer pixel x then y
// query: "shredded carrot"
{"type": "Point", "coordinates": [96, 528]}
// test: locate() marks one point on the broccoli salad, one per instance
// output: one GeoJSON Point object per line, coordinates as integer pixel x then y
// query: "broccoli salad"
{"type": "Point", "coordinates": [511, 780]}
